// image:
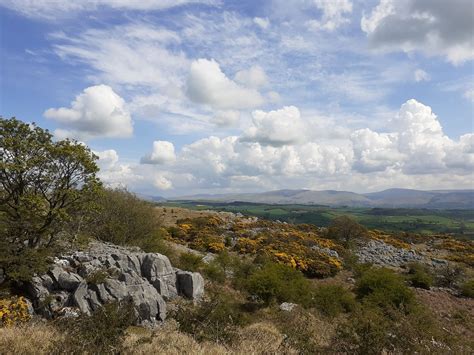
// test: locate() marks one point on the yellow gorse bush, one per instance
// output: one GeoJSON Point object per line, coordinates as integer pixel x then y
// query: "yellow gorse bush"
{"type": "Point", "coordinates": [13, 311]}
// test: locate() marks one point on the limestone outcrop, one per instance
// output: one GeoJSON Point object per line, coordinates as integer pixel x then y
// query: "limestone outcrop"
{"type": "Point", "coordinates": [83, 281]}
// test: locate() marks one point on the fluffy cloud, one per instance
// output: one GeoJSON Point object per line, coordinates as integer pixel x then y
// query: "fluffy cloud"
{"type": "Point", "coordinates": [421, 75]}
{"type": "Point", "coordinates": [435, 27]}
{"type": "Point", "coordinates": [416, 152]}
{"type": "Point", "coordinates": [374, 151]}
{"type": "Point", "coordinates": [333, 14]}
{"type": "Point", "coordinates": [162, 153]}
{"type": "Point", "coordinates": [420, 138]}
{"type": "Point", "coordinates": [279, 127]}
{"type": "Point", "coordinates": [162, 182]}
{"type": "Point", "coordinates": [97, 112]}
{"type": "Point", "coordinates": [107, 159]}
{"type": "Point", "coordinates": [52, 9]}
{"type": "Point", "coordinates": [207, 84]}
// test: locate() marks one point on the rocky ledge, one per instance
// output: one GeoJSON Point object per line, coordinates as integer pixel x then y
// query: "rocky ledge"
{"type": "Point", "coordinates": [84, 280]}
{"type": "Point", "coordinates": [382, 254]}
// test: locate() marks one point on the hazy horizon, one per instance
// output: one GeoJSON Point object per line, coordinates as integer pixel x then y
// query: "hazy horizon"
{"type": "Point", "coordinates": [210, 96]}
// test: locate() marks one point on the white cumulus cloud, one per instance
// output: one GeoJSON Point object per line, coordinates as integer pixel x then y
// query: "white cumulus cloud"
{"type": "Point", "coordinates": [207, 84]}
{"type": "Point", "coordinates": [279, 127]}
{"type": "Point", "coordinates": [162, 153]}
{"type": "Point", "coordinates": [97, 112]}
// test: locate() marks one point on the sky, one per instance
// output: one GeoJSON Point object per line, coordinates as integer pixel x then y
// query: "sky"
{"type": "Point", "coordinates": [179, 97]}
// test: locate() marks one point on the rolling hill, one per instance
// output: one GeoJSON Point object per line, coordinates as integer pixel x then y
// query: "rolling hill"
{"type": "Point", "coordinates": [391, 198]}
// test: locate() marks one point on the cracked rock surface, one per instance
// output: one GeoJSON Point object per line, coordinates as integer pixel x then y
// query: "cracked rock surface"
{"type": "Point", "coordinates": [85, 280]}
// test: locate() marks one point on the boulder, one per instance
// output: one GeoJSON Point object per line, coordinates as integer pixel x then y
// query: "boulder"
{"type": "Point", "coordinates": [147, 279]}
{"type": "Point", "coordinates": [287, 306]}
{"type": "Point", "coordinates": [190, 284]}
{"type": "Point", "coordinates": [157, 269]}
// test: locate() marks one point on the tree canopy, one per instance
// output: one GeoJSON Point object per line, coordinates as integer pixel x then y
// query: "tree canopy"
{"type": "Point", "coordinates": [42, 184]}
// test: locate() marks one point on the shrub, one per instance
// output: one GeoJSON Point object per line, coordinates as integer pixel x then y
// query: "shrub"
{"type": "Point", "coordinates": [332, 300]}
{"type": "Point", "coordinates": [419, 276]}
{"type": "Point", "coordinates": [215, 319]}
{"type": "Point", "coordinates": [281, 283]}
{"type": "Point", "coordinates": [214, 272]}
{"type": "Point", "coordinates": [101, 332]}
{"type": "Point", "coordinates": [384, 288]}
{"type": "Point", "coordinates": [364, 333]}
{"type": "Point", "coordinates": [449, 275]}
{"type": "Point", "coordinates": [370, 330]}
{"type": "Point", "coordinates": [122, 218]}
{"type": "Point", "coordinates": [467, 288]}
{"type": "Point", "coordinates": [190, 261]}
{"type": "Point", "coordinates": [20, 264]}
{"type": "Point", "coordinates": [13, 311]}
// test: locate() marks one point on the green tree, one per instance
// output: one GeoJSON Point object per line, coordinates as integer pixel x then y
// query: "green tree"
{"type": "Point", "coordinates": [346, 230]}
{"type": "Point", "coordinates": [43, 185]}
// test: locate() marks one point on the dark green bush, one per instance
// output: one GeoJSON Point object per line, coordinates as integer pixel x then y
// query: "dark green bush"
{"type": "Point", "coordinates": [122, 218]}
{"type": "Point", "coordinates": [419, 276]}
{"type": "Point", "coordinates": [384, 288]}
{"type": "Point", "coordinates": [467, 288]}
{"type": "Point", "coordinates": [190, 261]}
{"type": "Point", "coordinates": [332, 300]}
{"type": "Point", "coordinates": [20, 264]}
{"type": "Point", "coordinates": [281, 283]}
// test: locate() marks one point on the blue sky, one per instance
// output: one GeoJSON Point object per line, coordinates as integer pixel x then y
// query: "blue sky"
{"type": "Point", "coordinates": [180, 97]}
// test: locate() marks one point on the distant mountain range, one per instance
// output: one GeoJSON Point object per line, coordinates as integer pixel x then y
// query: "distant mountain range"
{"type": "Point", "coordinates": [391, 198]}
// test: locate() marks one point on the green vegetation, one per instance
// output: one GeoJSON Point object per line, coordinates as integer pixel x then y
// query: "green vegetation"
{"type": "Point", "coordinates": [46, 186]}
{"type": "Point", "coordinates": [215, 319]}
{"type": "Point", "coordinates": [396, 220]}
{"type": "Point", "coordinates": [122, 218]}
{"type": "Point", "coordinates": [280, 283]}
{"type": "Point", "coordinates": [346, 230]}
{"type": "Point", "coordinates": [419, 276]}
{"type": "Point", "coordinates": [384, 288]}
{"type": "Point", "coordinates": [467, 288]}
{"type": "Point", "coordinates": [331, 300]}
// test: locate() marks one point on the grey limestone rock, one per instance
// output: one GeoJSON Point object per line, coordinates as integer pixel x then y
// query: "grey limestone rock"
{"type": "Point", "coordinates": [190, 284]}
{"type": "Point", "coordinates": [147, 279]}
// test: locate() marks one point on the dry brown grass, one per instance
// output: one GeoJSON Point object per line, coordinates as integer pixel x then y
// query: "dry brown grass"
{"type": "Point", "coordinates": [33, 338]}
{"type": "Point", "coordinates": [259, 338]}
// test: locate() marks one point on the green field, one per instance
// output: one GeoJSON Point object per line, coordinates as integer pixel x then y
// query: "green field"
{"type": "Point", "coordinates": [458, 222]}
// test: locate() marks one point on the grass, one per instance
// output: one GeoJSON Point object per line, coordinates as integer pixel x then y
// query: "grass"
{"type": "Point", "coordinates": [459, 222]}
